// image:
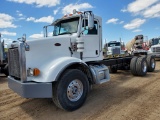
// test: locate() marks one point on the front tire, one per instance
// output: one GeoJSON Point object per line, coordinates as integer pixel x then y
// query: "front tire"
{"type": "Point", "coordinates": [70, 92]}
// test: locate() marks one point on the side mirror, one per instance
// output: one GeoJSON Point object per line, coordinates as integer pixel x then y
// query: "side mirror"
{"type": "Point", "coordinates": [90, 20]}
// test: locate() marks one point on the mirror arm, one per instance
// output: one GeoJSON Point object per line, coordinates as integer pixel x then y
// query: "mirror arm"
{"type": "Point", "coordinates": [84, 26]}
{"type": "Point", "coordinates": [81, 32]}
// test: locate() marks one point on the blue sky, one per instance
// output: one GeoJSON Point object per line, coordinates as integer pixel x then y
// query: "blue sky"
{"type": "Point", "coordinates": [121, 18]}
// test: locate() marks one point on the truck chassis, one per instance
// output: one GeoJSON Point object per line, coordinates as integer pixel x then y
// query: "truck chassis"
{"type": "Point", "coordinates": [139, 65]}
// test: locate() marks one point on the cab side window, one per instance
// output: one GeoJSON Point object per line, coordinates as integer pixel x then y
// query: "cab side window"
{"type": "Point", "coordinates": [93, 31]}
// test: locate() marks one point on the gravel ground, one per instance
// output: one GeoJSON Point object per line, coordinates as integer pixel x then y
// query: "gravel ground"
{"type": "Point", "coordinates": [125, 97]}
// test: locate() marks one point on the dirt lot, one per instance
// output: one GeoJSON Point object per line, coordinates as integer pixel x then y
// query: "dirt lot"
{"type": "Point", "coordinates": [125, 97]}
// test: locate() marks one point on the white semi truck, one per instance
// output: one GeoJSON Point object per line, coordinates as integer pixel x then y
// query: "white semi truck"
{"type": "Point", "coordinates": [3, 58]}
{"type": "Point", "coordinates": [65, 66]}
{"type": "Point", "coordinates": [113, 48]}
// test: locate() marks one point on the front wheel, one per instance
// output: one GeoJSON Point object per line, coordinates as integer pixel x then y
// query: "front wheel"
{"type": "Point", "coordinates": [70, 92]}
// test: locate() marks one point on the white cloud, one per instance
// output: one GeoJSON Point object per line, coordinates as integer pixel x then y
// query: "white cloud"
{"type": "Point", "coordinates": [30, 19]}
{"type": "Point", "coordinates": [36, 36]}
{"type": "Point", "coordinates": [137, 30]}
{"type": "Point", "coordinates": [20, 15]}
{"type": "Point", "coordinates": [39, 3]}
{"type": "Point", "coordinates": [6, 17]}
{"type": "Point", "coordinates": [148, 9]}
{"type": "Point", "coordinates": [6, 21]}
{"type": "Point", "coordinates": [69, 8]}
{"type": "Point", "coordinates": [50, 34]}
{"type": "Point", "coordinates": [7, 40]}
{"type": "Point", "coordinates": [136, 23]}
{"type": "Point", "coordinates": [112, 20]}
{"type": "Point", "coordinates": [55, 12]}
{"type": "Point", "coordinates": [48, 19]}
{"type": "Point", "coordinates": [8, 33]}
{"type": "Point", "coordinates": [121, 22]}
{"type": "Point", "coordinates": [123, 10]}
{"type": "Point", "coordinates": [139, 5]}
{"type": "Point", "coordinates": [153, 11]}
{"type": "Point", "coordinates": [40, 35]}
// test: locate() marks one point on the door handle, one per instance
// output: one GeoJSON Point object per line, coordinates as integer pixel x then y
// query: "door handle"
{"type": "Point", "coordinates": [96, 52]}
{"type": "Point", "coordinates": [57, 44]}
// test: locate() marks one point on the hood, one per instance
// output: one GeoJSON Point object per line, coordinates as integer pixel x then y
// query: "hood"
{"type": "Point", "coordinates": [158, 45]}
{"type": "Point", "coordinates": [110, 48]}
{"type": "Point", "coordinates": [44, 50]}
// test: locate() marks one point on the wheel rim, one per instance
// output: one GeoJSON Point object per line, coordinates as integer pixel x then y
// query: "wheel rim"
{"type": "Point", "coordinates": [144, 66]}
{"type": "Point", "coordinates": [152, 63]}
{"type": "Point", "coordinates": [75, 90]}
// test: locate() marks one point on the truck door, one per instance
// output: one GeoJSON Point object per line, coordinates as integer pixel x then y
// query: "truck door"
{"type": "Point", "coordinates": [91, 40]}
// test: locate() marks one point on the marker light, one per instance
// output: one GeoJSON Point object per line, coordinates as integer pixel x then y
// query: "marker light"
{"type": "Point", "coordinates": [79, 12]}
{"type": "Point", "coordinates": [69, 15]}
{"type": "Point", "coordinates": [33, 72]}
{"type": "Point", "coordinates": [36, 71]}
{"type": "Point", "coordinates": [65, 16]}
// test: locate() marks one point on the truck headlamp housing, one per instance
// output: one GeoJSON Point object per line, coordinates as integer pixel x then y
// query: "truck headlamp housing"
{"type": "Point", "coordinates": [33, 72]}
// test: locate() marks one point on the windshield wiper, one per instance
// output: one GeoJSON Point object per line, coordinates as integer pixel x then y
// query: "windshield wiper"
{"type": "Point", "coordinates": [65, 33]}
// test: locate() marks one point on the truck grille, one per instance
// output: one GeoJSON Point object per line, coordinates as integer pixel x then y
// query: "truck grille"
{"type": "Point", "coordinates": [14, 64]}
{"type": "Point", "coordinates": [116, 51]}
{"type": "Point", "coordinates": [156, 49]}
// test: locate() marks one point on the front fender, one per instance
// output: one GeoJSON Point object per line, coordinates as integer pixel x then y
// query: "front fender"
{"type": "Point", "coordinates": [50, 71]}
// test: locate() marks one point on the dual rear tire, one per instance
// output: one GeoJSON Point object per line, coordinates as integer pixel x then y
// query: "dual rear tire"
{"type": "Point", "coordinates": [140, 65]}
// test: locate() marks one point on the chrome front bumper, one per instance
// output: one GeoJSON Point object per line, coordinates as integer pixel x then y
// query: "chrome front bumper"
{"type": "Point", "coordinates": [156, 55]}
{"type": "Point", "coordinates": [30, 89]}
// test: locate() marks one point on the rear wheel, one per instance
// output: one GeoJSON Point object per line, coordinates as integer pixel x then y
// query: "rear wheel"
{"type": "Point", "coordinates": [70, 92]}
{"type": "Point", "coordinates": [141, 66]}
{"type": "Point", "coordinates": [112, 69]}
{"type": "Point", "coordinates": [151, 63]}
{"type": "Point", "coordinates": [133, 66]}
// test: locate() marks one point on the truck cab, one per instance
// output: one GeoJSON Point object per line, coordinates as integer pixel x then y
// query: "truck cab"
{"type": "Point", "coordinates": [155, 47]}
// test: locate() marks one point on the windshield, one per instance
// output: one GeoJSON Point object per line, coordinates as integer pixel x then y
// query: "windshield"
{"type": "Point", "coordinates": [114, 44]}
{"type": "Point", "coordinates": [155, 41]}
{"type": "Point", "coordinates": [68, 26]}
